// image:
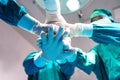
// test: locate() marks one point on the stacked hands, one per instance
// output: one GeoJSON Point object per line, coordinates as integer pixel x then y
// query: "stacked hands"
{"type": "Point", "coordinates": [56, 44]}
{"type": "Point", "coordinates": [54, 40]}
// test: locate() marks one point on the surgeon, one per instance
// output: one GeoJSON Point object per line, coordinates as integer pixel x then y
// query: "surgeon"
{"type": "Point", "coordinates": [103, 59]}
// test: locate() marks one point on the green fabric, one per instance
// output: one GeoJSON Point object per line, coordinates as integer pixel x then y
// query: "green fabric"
{"type": "Point", "coordinates": [103, 60]}
{"type": "Point", "coordinates": [49, 72]}
{"type": "Point", "coordinates": [110, 55]}
{"type": "Point", "coordinates": [102, 12]}
{"type": "Point", "coordinates": [97, 13]}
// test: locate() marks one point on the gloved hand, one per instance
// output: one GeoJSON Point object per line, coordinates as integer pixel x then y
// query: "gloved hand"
{"type": "Point", "coordinates": [38, 29]}
{"type": "Point", "coordinates": [57, 19]}
{"type": "Point", "coordinates": [55, 47]}
{"type": "Point", "coordinates": [78, 29]}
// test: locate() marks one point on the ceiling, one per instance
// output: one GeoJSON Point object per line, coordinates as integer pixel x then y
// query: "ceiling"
{"type": "Point", "coordinates": [33, 9]}
{"type": "Point", "coordinates": [106, 4]}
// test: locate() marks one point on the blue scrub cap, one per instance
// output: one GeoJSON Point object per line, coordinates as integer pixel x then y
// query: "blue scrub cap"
{"type": "Point", "coordinates": [102, 12]}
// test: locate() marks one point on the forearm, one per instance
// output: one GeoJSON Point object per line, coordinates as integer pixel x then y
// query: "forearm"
{"type": "Point", "coordinates": [80, 29]}
{"type": "Point", "coordinates": [14, 14]}
{"type": "Point", "coordinates": [27, 22]}
{"type": "Point", "coordinates": [107, 33]}
{"type": "Point", "coordinates": [82, 60]}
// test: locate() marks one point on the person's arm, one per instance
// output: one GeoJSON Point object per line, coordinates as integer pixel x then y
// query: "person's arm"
{"type": "Point", "coordinates": [80, 29]}
{"type": "Point", "coordinates": [84, 61]}
{"type": "Point", "coordinates": [99, 33]}
{"type": "Point", "coordinates": [14, 14]}
{"type": "Point", "coordinates": [107, 33]}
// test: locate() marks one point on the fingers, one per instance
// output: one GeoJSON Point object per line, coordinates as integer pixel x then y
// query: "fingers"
{"type": "Point", "coordinates": [67, 43]}
{"type": "Point", "coordinates": [43, 39]}
{"type": "Point", "coordinates": [39, 43]}
{"type": "Point", "coordinates": [58, 35]}
{"type": "Point", "coordinates": [51, 38]}
{"type": "Point", "coordinates": [65, 34]}
{"type": "Point", "coordinates": [50, 35]}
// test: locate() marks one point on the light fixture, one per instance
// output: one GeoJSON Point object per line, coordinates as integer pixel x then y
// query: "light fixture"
{"type": "Point", "coordinates": [67, 6]}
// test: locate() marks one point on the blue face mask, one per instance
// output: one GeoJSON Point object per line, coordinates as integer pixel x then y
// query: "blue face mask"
{"type": "Point", "coordinates": [102, 21]}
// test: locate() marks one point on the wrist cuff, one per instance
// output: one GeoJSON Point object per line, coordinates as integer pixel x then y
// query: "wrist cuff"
{"type": "Point", "coordinates": [27, 22]}
{"type": "Point", "coordinates": [62, 61]}
{"type": "Point", "coordinates": [39, 61]}
{"type": "Point", "coordinates": [81, 30]}
{"type": "Point", "coordinates": [87, 30]}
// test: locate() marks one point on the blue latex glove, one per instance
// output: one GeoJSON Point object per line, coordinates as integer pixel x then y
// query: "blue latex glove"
{"type": "Point", "coordinates": [39, 28]}
{"type": "Point", "coordinates": [55, 47]}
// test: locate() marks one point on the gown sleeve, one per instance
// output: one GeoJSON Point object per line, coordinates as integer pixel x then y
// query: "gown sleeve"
{"type": "Point", "coordinates": [28, 64]}
{"type": "Point", "coordinates": [85, 61]}
{"type": "Point", "coordinates": [11, 12]}
{"type": "Point", "coordinates": [107, 33]}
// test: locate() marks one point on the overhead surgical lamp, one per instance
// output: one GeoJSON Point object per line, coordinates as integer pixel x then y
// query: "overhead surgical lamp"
{"type": "Point", "coordinates": [67, 6]}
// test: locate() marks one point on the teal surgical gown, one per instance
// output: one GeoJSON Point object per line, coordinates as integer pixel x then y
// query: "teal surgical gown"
{"type": "Point", "coordinates": [52, 70]}
{"type": "Point", "coordinates": [103, 60]}
{"type": "Point", "coordinates": [108, 33]}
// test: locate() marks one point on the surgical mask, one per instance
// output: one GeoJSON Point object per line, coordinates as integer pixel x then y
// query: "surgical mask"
{"type": "Point", "coordinates": [102, 21]}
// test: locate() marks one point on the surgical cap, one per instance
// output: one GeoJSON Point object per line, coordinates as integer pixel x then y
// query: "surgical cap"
{"type": "Point", "coordinates": [102, 12]}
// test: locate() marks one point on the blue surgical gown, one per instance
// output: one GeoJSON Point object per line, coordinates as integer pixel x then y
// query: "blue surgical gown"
{"type": "Point", "coordinates": [107, 33]}
{"type": "Point", "coordinates": [103, 60]}
{"type": "Point", "coordinates": [52, 70]}
{"type": "Point", "coordinates": [11, 12]}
